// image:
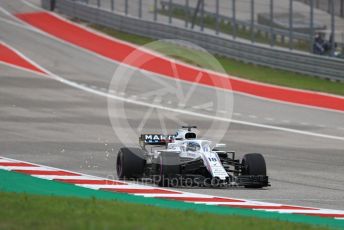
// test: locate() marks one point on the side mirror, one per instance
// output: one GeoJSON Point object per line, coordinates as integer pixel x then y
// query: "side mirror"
{"type": "Point", "coordinates": [220, 145]}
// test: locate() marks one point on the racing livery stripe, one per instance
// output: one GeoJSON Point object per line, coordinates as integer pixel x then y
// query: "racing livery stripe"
{"type": "Point", "coordinates": [97, 183]}
{"type": "Point", "coordinates": [118, 51]}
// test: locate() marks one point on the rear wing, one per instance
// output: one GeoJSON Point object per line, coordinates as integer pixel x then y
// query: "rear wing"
{"type": "Point", "coordinates": [155, 139]}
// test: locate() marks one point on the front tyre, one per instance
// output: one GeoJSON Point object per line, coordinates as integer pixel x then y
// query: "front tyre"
{"type": "Point", "coordinates": [253, 164]}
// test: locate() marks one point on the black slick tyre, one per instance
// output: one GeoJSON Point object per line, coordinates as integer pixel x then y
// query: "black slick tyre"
{"type": "Point", "coordinates": [130, 163]}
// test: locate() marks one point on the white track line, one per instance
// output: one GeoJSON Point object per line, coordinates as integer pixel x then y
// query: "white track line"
{"type": "Point", "coordinates": [32, 5]}
{"type": "Point", "coordinates": [24, 168]}
{"type": "Point", "coordinates": [56, 177]}
{"type": "Point", "coordinates": [184, 194]}
{"type": "Point", "coordinates": [165, 57]}
{"type": "Point", "coordinates": [2, 160]}
{"type": "Point", "coordinates": [114, 186]}
{"type": "Point", "coordinates": [175, 110]}
{"type": "Point", "coordinates": [171, 59]}
{"type": "Point", "coordinates": [295, 211]}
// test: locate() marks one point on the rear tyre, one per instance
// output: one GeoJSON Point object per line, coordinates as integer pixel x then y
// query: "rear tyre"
{"type": "Point", "coordinates": [168, 169]}
{"type": "Point", "coordinates": [254, 164]}
{"type": "Point", "coordinates": [130, 163]}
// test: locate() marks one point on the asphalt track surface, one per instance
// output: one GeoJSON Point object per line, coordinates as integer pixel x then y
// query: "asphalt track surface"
{"type": "Point", "coordinates": [47, 122]}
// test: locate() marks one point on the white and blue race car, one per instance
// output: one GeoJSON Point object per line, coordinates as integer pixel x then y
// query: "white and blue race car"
{"type": "Point", "coordinates": [183, 160]}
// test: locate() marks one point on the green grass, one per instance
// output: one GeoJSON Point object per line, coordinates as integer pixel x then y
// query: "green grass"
{"type": "Point", "coordinates": [238, 68]}
{"type": "Point", "coordinates": [21, 183]}
{"type": "Point", "coordinates": [24, 211]}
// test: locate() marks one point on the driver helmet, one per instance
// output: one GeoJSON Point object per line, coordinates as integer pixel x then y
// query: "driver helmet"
{"type": "Point", "coordinates": [193, 146]}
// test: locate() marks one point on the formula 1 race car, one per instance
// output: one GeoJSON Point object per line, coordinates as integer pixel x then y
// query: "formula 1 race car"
{"type": "Point", "coordinates": [183, 160]}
